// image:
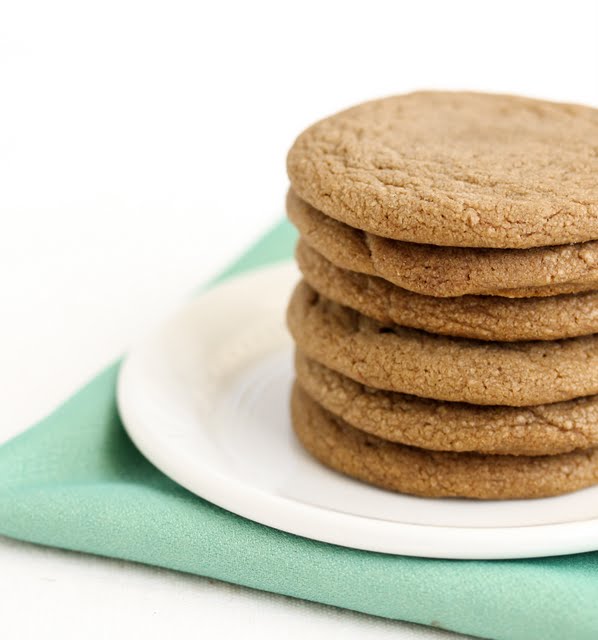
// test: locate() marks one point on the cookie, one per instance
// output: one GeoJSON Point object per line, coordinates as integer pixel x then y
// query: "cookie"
{"type": "Point", "coordinates": [419, 472]}
{"type": "Point", "coordinates": [394, 358]}
{"type": "Point", "coordinates": [448, 271]}
{"type": "Point", "coordinates": [455, 169]}
{"type": "Point", "coordinates": [478, 317]}
{"type": "Point", "coordinates": [452, 426]}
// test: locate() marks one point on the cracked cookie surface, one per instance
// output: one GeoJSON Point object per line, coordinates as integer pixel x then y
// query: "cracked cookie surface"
{"type": "Point", "coordinates": [410, 361]}
{"type": "Point", "coordinates": [478, 317]}
{"type": "Point", "coordinates": [448, 271]}
{"type": "Point", "coordinates": [452, 426]}
{"type": "Point", "coordinates": [435, 473]}
{"type": "Point", "coordinates": [455, 169]}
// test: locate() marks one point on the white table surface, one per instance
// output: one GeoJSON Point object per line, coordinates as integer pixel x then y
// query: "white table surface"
{"type": "Point", "coordinates": [142, 148]}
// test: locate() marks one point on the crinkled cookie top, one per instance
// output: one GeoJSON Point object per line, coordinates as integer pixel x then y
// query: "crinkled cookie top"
{"type": "Point", "coordinates": [455, 169]}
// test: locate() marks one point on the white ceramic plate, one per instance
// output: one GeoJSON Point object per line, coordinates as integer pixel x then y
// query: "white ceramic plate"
{"type": "Point", "coordinates": [206, 400]}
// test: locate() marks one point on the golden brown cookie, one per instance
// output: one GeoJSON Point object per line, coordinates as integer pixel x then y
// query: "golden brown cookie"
{"type": "Point", "coordinates": [435, 473]}
{"type": "Point", "coordinates": [426, 365]}
{"type": "Point", "coordinates": [455, 169]}
{"type": "Point", "coordinates": [448, 271]}
{"type": "Point", "coordinates": [479, 317]}
{"type": "Point", "coordinates": [452, 426]}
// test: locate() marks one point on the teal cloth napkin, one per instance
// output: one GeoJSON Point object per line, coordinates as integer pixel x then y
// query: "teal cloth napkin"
{"type": "Point", "coordinates": [76, 481]}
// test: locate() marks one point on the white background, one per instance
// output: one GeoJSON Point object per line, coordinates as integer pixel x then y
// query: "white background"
{"type": "Point", "coordinates": [142, 147]}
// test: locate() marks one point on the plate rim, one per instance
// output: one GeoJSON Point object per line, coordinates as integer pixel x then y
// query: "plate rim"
{"type": "Point", "coordinates": [333, 527]}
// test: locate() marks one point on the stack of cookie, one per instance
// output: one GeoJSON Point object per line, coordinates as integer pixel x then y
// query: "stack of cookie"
{"type": "Point", "coordinates": [447, 323]}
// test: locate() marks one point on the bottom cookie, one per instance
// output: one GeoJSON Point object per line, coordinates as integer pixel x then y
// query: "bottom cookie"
{"type": "Point", "coordinates": [432, 473]}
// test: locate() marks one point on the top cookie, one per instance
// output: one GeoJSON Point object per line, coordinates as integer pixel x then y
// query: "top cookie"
{"type": "Point", "coordinates": [455, 169]}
